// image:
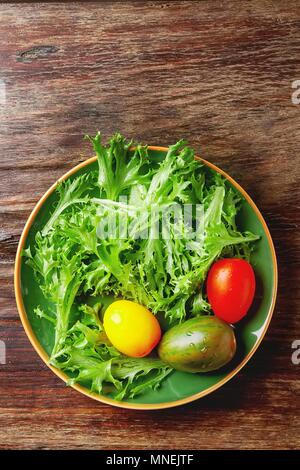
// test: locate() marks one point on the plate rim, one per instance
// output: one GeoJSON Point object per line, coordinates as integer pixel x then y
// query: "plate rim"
{"type": "Point", "coordinates": [101, 398]}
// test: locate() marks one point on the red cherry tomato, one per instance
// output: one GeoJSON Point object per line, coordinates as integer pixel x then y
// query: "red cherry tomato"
{"type": "Point", "coordinates": [231, 288]}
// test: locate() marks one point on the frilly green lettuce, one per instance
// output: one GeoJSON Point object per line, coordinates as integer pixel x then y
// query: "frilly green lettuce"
{"type": "Point", "coordinates": [165, 273]}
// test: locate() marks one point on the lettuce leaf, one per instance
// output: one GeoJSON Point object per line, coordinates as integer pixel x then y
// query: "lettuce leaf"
{"type": "Point", "coordinates": [156, 258]}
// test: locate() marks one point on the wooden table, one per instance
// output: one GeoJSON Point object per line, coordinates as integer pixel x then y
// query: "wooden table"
{"type": "Point", "coordinates": [218, 73]}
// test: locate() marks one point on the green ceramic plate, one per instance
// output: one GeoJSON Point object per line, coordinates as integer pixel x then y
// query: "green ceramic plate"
{"type": "Point", "coordinates": [179, 387]}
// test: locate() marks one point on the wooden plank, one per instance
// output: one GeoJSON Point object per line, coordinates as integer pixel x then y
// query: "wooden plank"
{"type": "Point", "coordinates": [217, 73]}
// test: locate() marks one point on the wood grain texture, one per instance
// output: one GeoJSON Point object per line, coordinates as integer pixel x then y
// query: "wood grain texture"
{"type": "Point", "coordinates": [217, 73]}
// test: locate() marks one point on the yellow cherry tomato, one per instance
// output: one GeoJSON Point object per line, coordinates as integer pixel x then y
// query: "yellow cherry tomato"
{"type": "Point", "coordinates": [131, 328]}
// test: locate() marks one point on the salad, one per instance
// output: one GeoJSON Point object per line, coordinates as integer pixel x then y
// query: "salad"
{"type": "Point", "coordinates": [144, 267]}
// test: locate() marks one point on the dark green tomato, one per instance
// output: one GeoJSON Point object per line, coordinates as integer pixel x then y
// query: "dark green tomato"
{"type": "Point", "coordinates": [201, 344]}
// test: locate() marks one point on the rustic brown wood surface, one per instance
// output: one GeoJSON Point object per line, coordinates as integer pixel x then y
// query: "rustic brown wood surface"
{"type": "Point", "coordinates": [218, 73]}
